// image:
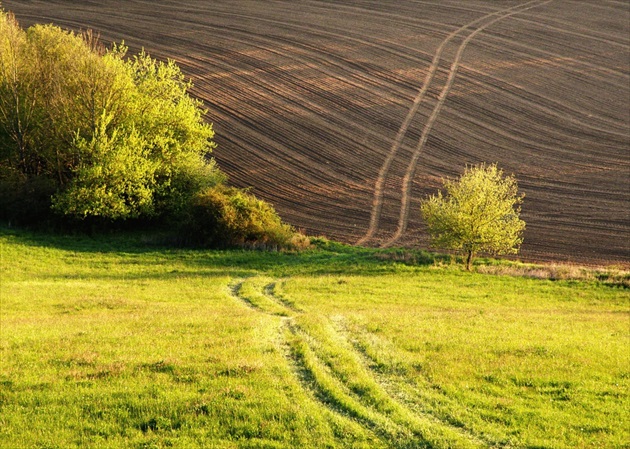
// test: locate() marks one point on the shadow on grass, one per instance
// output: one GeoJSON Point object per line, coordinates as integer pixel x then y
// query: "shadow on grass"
{"type": "Point", "coordinates": [77, 242]}
{"type": "Point", "coordinates": [325, 258]}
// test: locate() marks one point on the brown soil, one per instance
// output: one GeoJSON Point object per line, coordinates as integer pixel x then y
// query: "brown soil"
{"type": "Point", "coordinates": [345, 113]}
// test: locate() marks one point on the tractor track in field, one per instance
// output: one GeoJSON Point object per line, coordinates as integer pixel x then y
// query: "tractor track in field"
{"type": "Point", "coordinates": [306, 378]}
{"type": "Point", "coordinates": [380, 181]}
{"type": "Point", "coordinates": [311, 98]}
{"type": "Point", "coordinates": [381, 412]}
{"type": "Point", "coordinates": [396, 145]}
{"type": "Point", "coordinates": [411, 170]}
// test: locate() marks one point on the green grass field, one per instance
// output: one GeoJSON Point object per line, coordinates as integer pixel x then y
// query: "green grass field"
{"type": "Point", "coordinates": [112, 342]}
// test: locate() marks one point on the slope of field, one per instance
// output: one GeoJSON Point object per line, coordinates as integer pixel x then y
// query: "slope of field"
{"type": "Point", "coordinates": [113, 343]}
{"type": "Point", "coordinates": [344, 114]}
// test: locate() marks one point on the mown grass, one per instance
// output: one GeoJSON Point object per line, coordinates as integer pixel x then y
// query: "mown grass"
{"type": "Point", "coordinates": [116, 342]}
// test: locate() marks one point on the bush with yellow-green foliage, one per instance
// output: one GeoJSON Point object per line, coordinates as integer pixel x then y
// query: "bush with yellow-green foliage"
{"type": "Point", "coordinates": [225, 216]}
{"type": "Point", "coordinates": [108, 136]}
{"type": "Point", "coordinates": [91, 135]}
{"type": "Point", "coordinates": [479, 212]}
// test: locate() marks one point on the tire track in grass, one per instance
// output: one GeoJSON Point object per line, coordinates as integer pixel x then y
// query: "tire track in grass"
{"type": "Point", "coordinates": [330, 369]}
{"type": "Point", "coordinates": [379, 188]}
{"type": "Point", "coordinates": [338, 375]}
{"type": "Point", "coordinates": [370, 362]}
{"type": "Point", "coordinates": [319, 380]}
{"type": "Point", "coordinates": [270, 292]}
{"type": "Point", "coordinates": [256, 293]}
{"type": "Point", "coordinates": [408, 178]}
{"type": "Point", "coordinates": [310, 373]}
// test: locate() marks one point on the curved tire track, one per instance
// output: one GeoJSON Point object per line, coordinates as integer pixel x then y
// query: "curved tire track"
{"type": "Point", "coordinates": [331, 369]}
{"type": "Point", "coordinates": [406, 189]}
{"type": "Point", "coordinates": [380, 182]}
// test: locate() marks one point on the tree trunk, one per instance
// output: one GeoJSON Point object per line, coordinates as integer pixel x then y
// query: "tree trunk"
{"type": "Point", "coordinates": [469, 260]}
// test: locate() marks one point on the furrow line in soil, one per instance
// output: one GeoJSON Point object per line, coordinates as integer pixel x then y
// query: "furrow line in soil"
{"type": "Point", "coordinates": [584, 32]}
{"type": "Point", "coordinates": [530, 100]}
{"type": "Point", "coordinates": [394, 15]}
{"type": "Point", "coordinates": [603, 73]}
{"type": "Point", "coordinates": [319, 57]}
{"type": "Point", "coordinates": [549, 142]}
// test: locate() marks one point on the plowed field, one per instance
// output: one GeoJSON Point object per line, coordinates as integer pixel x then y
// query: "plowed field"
{"type": "Point", "coordinates": [345, 113]}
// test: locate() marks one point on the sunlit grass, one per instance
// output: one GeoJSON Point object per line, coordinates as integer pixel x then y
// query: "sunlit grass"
{"type": "Point", "coordinates": [138, 349]}
{"type": "Point", "coordinates": [513, 361]}
{"type": "Point", "coordinates": [114, 342]}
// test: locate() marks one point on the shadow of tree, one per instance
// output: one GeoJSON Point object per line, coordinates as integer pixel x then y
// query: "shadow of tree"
{"type": "Point", "coordinates": [325, 258]}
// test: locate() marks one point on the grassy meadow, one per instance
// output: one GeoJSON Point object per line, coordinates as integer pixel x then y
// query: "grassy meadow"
{"type": "Point", "coordinates": [116, 342]}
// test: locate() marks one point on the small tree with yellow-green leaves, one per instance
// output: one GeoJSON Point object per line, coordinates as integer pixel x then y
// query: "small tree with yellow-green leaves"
{"type": "Point", "coordinates": [479, 212]}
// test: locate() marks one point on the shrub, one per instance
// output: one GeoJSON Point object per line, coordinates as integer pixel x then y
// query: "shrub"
{"type": "Point", "coordinates": [117, 138]}
{"type": "Point", "coordinates": [480, 212]}
{"type": "Point", "coordinates": [224, 216]}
